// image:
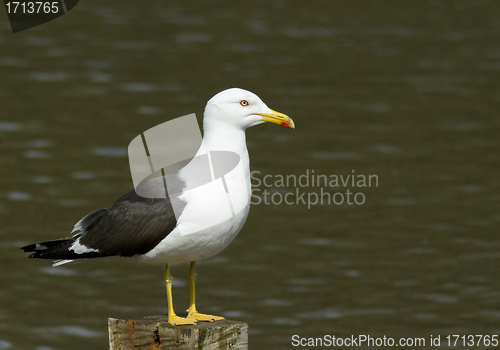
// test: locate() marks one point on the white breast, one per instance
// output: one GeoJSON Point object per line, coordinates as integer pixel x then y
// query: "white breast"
{"type": "Point", "coordinates": [214, 214]}
{"type": "Point", "coordinates": [177, 248]}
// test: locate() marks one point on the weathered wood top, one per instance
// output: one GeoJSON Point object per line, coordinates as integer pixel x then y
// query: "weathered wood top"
{"type": "Point", "coordinates": [154, 332]}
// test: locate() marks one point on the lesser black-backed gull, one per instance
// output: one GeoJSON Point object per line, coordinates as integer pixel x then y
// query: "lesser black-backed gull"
{"type": "Point", "coordinates": [203, 225]}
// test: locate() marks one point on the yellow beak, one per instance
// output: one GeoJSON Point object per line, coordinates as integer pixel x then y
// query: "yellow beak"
{"type": "Point", "coordinates": [278, 118]}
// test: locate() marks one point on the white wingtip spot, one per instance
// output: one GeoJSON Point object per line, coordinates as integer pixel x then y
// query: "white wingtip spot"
{"type": "Point", "coordinates": [61, 262]}
{"type": "Point", "coordinates": [81, 249]}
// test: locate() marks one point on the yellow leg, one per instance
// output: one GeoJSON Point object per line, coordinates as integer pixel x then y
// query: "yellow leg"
{"type": "Point", "coordinates": [192, 313]}
{"type": "Point", "coordinates": [173, 319]}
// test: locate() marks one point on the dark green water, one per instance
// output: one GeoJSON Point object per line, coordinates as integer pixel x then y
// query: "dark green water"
{"type": "Point", "coordinates": [405, 90]}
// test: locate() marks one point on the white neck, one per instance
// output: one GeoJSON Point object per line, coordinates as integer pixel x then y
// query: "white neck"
{"type": "Point", "coordinates": [224, 137]}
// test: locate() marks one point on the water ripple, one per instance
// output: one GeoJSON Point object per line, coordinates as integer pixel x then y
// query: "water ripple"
{"type": "Point", "coordinates": [384, 148]}
{"type": "Point", "coordinates": [282, 321]}
{"type": "Point", "coordinates": [37, 154]}
{"type": "Point", "coordinates": [13, 62]}
{"type": "Point", "coordinates": [19, 196]}
{"type": "Point", "coordinates": [43, 179]}
{"type": "Point", "coordinates": [110, 151]}
{"type": "Point", "coordinates": [99, 77]}
{"type": "Point", "coordinates": [277, 302]}
{"type": "Point", "coordinates": [133, 45]}
{"type": "Point", "coordinates": [83, 175]}
{"type": "Point", "coordinates": [149, 110]}
{"type": "Point", "coordinates": [49, 77]}
{"type": "Point", "coordinates": [59, 271]}
{"type": "Point", "coordinates": [9, 126]}
{"type": "Point", "coordinates": [330, 313]}
{"type": "Point", "coordinates": [39, 41]}
{"type": "Point", "coordinates": [139, 87]}
{"type": "Point", "coordinates": [71, 330]}
{"type": "Point", "coordinates": [97, 64]}
{"type": "Point", "coordinates": [191, 38]}
{"type": "Point", "coordinates": [323, 155]}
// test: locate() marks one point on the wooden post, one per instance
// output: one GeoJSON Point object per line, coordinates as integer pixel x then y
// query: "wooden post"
{"type": "Point", "coordinates": [155, 333]}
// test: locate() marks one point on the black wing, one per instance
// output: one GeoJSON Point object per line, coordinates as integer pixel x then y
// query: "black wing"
{"type": "Point", "coordinates": [132, 225]}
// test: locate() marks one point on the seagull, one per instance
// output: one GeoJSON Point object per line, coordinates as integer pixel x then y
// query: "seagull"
{"type": "Point", "coordinates": [191, 222]}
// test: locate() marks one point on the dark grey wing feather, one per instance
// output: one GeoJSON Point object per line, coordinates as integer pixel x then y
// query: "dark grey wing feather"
{"type": "Point", "coordinates": [88, 220]}
{"type": "Point", "coordinates": [132, 225]}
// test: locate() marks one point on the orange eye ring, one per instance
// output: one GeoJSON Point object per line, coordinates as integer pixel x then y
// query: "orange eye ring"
{"type": "Point", "coordinates": [244, 103]}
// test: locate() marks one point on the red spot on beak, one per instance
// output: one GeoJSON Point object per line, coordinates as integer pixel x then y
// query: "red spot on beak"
{"type": "Point", "coordinates": [284, 124]}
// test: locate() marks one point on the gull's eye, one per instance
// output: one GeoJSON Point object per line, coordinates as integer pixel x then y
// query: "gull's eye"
{"type": "Point", "coordinates": [244, 103]}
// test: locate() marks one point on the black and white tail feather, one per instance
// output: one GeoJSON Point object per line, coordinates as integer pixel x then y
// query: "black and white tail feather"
{"type": "Point", "coordinates": [67, 250]}
{"type": "Point", "coordinates": [132, 225]}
